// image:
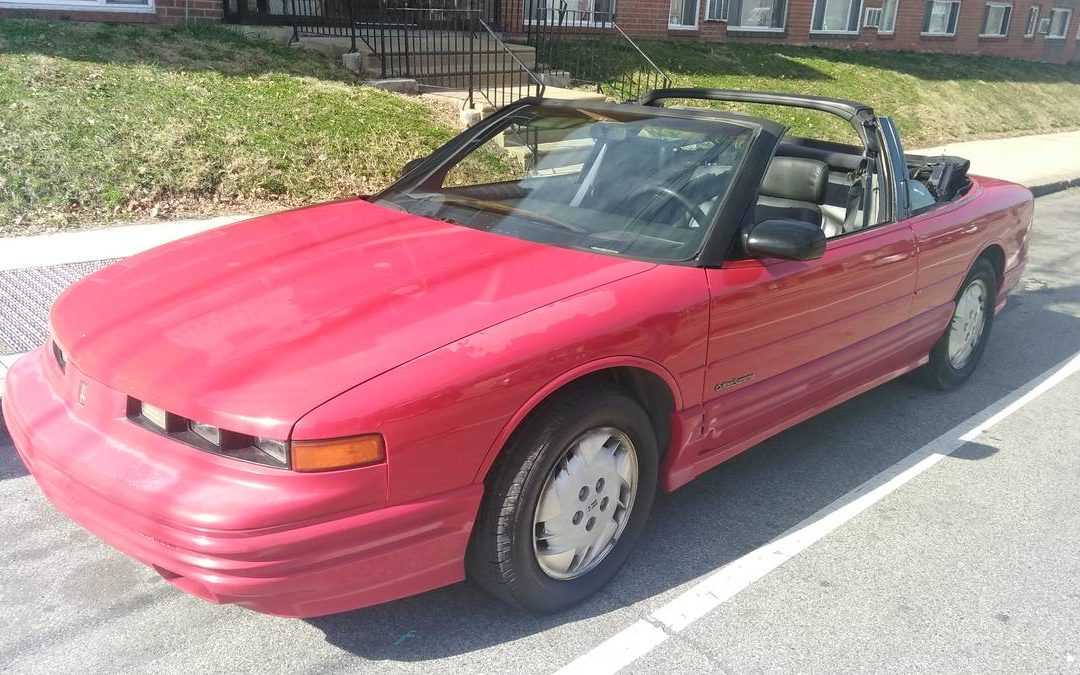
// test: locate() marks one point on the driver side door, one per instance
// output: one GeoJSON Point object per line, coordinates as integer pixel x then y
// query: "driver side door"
{"type": "Point", "coordinates": [789, 339]}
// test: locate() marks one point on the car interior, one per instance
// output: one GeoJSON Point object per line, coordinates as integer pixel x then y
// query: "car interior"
{"type": "Point", "coordinates": [649, 187]}
{"type": "Point", "coordinates": [646, 186]}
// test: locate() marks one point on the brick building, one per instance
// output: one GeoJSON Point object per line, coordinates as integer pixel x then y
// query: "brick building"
{"type": "Point", "coordinates": [1042, 30]}
{"type": "Point", "coordinates": [130, 11]}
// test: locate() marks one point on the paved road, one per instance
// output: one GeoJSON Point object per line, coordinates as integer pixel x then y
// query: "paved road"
{"type": "Point", "coordinates": [972, 566]}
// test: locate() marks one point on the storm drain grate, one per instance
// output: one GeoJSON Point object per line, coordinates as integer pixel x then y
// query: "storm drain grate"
{"type": "Point", "coordinates": [26, 296]}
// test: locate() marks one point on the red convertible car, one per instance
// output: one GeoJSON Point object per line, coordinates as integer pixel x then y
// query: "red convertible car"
{"type": "Point", "coordinates": [489, 368]}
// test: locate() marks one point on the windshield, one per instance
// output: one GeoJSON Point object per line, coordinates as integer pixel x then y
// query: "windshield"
{"type": "Point", "coordinates": [623, 183]}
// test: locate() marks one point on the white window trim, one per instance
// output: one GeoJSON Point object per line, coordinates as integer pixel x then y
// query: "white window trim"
{"type": "Point", "coordinates": [679, 26]}
{"type": "Point", "coordinates": [1034, 23]}
{"type": "Point", "coordinates": [708, 5]}
{"type": "Point", "coordinates": [1068, 20]}
{"type": "Point", "coordinates": [577, 23]}
{"type": "Point", "coordinates": [959, 6]}
{"type": "Point", "coordinates": [896, 15]}
{"type": "Point", "coordinates": [866, 17]}
{"type": "Point", "coordinates": [591, 23]}
{"type": "Point", "coordinates": [88, 6]}
{"type": "Point", "coordinates": [858, 24]}
{"type": "Point", "coordinates": [760, 29]}
{"type": "Point", "coordinates": [1000, 36]}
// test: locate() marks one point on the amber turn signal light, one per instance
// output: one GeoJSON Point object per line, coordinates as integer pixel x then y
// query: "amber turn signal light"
{"type": "Point", "coordinates": [340, 453]}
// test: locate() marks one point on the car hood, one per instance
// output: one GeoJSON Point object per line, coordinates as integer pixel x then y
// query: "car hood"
{"type": "Point", "coordinates": [252, 325]}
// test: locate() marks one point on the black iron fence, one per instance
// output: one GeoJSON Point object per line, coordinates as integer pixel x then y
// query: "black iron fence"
{"type": "Point", "coordinates": [463, 44]}
{"type": "Point", "coordinates": [588, 46]}
{"type": "Point", "coordinates": [505, 77]}
{"type": "Point", "coordinates": [443, 47]}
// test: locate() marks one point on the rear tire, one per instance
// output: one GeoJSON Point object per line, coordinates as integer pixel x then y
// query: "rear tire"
{"type": "Point", "coordinates": [566, 502]}
{"type": "Point", "coordinates": [957, 353]}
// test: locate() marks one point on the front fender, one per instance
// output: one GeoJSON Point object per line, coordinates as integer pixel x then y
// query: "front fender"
{"type": "Point", "coordinates": [565, 379]}
{"type": "Point", "coordinates": [445, 415]}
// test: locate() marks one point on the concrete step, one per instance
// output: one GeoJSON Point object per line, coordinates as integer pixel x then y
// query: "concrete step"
{"type": "Point", "coordinates": [460, 96]}
{"type": "Point", "coordinates": [449, 62]}
{"type": "Point", "coordinates": [397, 41]}
{"type": "Point", "coordinates": [515, 83]}
{"type": "Point", "coordinates": [564, 153]}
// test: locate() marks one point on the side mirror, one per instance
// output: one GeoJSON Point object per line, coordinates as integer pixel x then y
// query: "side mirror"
{"type": "Point", "coordinates": [410, 165]}
{"type": "Point", "coordinates": [783, 238]}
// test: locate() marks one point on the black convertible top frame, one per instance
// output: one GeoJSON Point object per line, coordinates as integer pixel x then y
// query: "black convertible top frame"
{"type": "Point", "coordinates": [858, 115]}
{"type": "Point", "coordinates": [849, 110]}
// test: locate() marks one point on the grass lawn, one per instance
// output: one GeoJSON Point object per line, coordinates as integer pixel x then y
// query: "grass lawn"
{"type": "Point", "coordinates": [104, 123]}
{"type": "Point", "coordinates": [935, 98]}
{"type": "Point", "coordinates": [101, 123]}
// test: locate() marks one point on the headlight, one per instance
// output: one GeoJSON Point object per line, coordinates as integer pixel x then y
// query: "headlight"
{"type": "Point", "coordinates": [207, 432]}
{"type": "Point", "coordinates": [306, 456]}
{"type": "Point", "coordinates": [155, 415]}
{"type": "Point", "coordinates": [279, 450]}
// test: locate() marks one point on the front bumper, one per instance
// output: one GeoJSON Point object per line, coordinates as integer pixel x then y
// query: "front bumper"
{"type": "Point", "coordinates": [271, 540]}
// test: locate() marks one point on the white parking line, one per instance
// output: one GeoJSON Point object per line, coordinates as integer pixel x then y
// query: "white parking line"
{"type": "Point", "coordinates": [643, 636]}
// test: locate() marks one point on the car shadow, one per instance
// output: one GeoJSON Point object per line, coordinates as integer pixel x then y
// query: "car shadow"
{"type": "Point", "coordinates": [11, 465]}
{"type": "Point", "coordinates": [745, 502]}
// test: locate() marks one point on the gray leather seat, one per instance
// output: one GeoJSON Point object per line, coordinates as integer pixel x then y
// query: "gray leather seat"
{"type": "Point", "coordinates": [794, 188]}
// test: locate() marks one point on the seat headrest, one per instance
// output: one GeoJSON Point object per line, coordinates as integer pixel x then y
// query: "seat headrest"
{"type": "Point", "coordinates": [804, 180]}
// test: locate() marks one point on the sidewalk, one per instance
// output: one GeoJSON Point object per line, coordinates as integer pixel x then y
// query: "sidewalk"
{"type": "Point", "coordinates": [33, 270]}
{"type": "Point", "coordinates": [1044, 163]}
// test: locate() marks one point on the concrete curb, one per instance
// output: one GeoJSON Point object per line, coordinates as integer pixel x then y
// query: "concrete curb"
{"type": "Point", "coordinates": [1052, 187]}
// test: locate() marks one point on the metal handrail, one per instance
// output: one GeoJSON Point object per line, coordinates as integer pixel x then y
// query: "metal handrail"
{"type": "Point", "coordinates": [659, 71]}
{"type": "Point", "coordinates": [539, 83]}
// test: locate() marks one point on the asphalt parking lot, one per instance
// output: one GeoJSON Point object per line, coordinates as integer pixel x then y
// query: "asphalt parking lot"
{"type": "Point", "coordinates": [973, 565]}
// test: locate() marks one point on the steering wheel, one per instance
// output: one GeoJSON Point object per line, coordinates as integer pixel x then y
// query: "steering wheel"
{"type": "Point", "coordinates": [692, 209]}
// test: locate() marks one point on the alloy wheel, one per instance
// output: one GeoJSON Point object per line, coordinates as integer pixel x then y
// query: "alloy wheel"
{"type": "Point", "coordinates": [585, 503]}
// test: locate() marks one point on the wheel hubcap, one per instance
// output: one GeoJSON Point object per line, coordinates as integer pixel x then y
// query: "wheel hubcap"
{"type": "Point", "coordinates": [968, 323]}
{"type": "Point", "coordinates": [585, 503]}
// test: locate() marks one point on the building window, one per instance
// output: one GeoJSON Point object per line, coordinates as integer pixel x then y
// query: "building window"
{"type": "Point", "coordinates": [1059, 23]}
{"type": "Point", "coordinates": [836, 16]}
{"type": "Point", "coordinates": [717, 10]}
{"type": "Point", "coordinates": [996, 20]}
{"type": "Point", "coordinates": [882, 18]}
{"type": "Point", "coordinates": [888, 16]}
{"type": "Point", "coordinates": [569, 14]}
{"type": "Point", "coordinates": [138, 6]}
{"type": "Point", "coordinates": [940, 17]}
{"type": "Point", "coordinates": [1032, 22]}
{"type": "Point", "coordinates": [683, 14]}
{"type": "Point", "coordinates": [762, 15]}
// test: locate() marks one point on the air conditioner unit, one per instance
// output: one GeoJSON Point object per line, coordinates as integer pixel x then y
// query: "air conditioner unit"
{"type": "Point", "coordinates": [872, 17]}
{"type": "Point", "coordinates": [1044, 26]}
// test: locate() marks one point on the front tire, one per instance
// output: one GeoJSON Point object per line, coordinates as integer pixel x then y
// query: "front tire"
{"type": "Point", "coordinates": [957, 353]}
{"type": "Point", "coordinates": [566, 502]}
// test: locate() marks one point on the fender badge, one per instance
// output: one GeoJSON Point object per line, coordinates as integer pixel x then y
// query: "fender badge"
{"type": "Point", "coordinates": [735, 381]}
{"type": "Point", "coordinates": [82, 393]}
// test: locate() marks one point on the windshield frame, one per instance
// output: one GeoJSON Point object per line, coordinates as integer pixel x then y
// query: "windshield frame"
{"type": "Point", "coordinates": [765, 134]}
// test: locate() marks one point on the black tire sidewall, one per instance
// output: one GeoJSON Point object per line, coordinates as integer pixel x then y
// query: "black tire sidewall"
{"type": "Point", "coordinates": [946, 376]}
{"type": "Point", "coordinates": [554, 433]}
